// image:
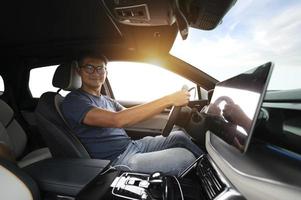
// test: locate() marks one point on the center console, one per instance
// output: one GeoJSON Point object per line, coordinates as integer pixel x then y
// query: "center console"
{"type": "Point", "coordinates": [134, 186]}
{"type": "Point", "coordinates": [64, 178]}
{"type": "Point", "coordinates": [146, 187]}
{"type": "Point", "coordinates": [201, 180]}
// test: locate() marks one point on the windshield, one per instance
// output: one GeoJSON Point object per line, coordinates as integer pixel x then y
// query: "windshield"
{"type": "Point", "coordinates": [252, 33]}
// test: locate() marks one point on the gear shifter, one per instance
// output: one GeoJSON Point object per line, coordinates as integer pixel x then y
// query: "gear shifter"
{"type": "Point", "coordinates": [156, 177]}
{"type": "Point", "coordinates": [157, 185]}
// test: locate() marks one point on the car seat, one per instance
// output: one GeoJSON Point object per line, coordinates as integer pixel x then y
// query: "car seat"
{"type": "Point", "coordinates": [58, 136]}
{"type": "Point", "coordinates": [16, 184]}
{"type": "Point", "coordinates": [14, 136]}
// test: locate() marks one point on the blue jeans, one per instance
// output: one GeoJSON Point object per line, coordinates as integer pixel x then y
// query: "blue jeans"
{"type": "Point", "coordinates": [170, 155]}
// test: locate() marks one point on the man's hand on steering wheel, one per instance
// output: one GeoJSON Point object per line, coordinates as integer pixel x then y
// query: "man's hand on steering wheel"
{"type": "Point", "coordinates": [178, 99]}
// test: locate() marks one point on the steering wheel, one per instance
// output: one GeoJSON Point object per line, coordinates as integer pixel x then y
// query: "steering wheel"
{"type": "Point", "coordinates": [227, 99]}
{"type": "Point", "coordinates": [174, 112]}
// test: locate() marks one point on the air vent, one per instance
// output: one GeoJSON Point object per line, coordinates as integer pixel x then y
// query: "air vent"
{"type": "Point", "coordinates": [212, 186]}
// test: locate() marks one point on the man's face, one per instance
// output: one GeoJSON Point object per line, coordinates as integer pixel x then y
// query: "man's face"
{"type": "Point", "coordinates": [93, 72]}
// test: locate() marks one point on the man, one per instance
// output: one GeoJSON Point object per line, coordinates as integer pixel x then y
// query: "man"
{"type": "Point", "coordinates": [98, 121]}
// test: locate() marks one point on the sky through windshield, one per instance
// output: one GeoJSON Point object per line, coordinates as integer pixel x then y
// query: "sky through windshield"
{"type": "Point", "coordinates": [252, 33]}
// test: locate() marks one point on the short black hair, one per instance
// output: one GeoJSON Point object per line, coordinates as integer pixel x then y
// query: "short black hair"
{"type": "Point", "coordinates": [92, 55]}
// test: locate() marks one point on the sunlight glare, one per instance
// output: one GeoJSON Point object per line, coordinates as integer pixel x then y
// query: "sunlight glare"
{"type": "Point", "coordinates": [143, 82]}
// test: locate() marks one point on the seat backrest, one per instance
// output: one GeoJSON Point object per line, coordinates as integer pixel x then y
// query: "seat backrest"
{"type": "Point", "coordinates": [58, 136]}
{"type": "Point", "coordinates": [16, 135]}
{"type": "Point", "coordinates": [5, 145]}
{"type": "Point", "coordinates": [15, 184]}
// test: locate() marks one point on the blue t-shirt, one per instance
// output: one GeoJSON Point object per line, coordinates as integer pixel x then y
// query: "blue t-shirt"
{"type": "Point", "coordinates": [100, 142]}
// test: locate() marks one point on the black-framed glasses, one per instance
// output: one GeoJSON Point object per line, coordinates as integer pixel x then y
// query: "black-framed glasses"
{"type": "Point", "coordinates": [90, 69]}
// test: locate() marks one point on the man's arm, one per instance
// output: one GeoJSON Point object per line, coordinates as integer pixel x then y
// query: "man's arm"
{"type": "Point", "coordinates": [133, 115]}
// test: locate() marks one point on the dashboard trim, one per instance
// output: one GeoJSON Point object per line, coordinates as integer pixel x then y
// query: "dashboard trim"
{"type": "Point", "coordinates": [246, 183]}
{"type": "Point", "coordinates": [291, 106]}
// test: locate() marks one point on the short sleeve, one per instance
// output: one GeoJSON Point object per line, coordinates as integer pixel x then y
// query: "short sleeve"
{"type": "Point", "coordinates": [75, 108]}
{"type": "Point", "coordinates": [117, 106]}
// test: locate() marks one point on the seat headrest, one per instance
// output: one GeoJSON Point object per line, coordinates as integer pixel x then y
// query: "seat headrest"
{"type": "Point", "coordinates": [6, 113]}
{"type": "Point", "coordinates": [66, 77]}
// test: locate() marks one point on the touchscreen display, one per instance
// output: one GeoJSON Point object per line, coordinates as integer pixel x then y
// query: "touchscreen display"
{"type": "Point", "coordinates": [235, 105]}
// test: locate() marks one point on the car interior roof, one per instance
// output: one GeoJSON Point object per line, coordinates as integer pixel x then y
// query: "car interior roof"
{"type": "Point", "coordinates": [53, 29]}
{"type": "Point", "coordinates": [42, 33]}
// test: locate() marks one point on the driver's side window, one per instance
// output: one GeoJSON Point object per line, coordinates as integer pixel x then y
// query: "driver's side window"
{"type": "Point", "coordinates": [139, 82]}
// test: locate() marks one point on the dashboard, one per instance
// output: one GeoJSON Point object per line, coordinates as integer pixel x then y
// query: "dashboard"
{"type": "Point", "coordinates": [270, 169]}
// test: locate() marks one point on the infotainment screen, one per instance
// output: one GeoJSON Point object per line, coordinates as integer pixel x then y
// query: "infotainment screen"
{"type": "Point", "coordinates": [235, 104]}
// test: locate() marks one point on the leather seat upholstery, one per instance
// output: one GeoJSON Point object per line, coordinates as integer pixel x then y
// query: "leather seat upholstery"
{"type": "Point", "coordinates": [15, 184]}
{"type": "Point", "coordinates": [12, 134]}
